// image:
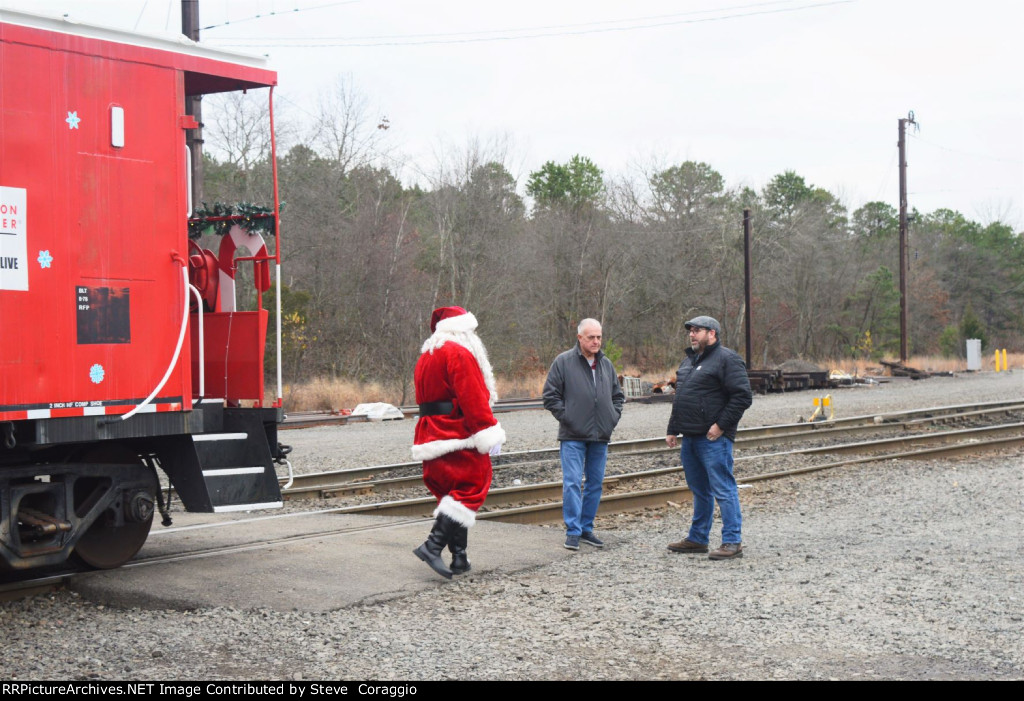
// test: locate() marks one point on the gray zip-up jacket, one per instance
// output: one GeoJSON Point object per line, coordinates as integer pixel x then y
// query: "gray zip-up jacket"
{"type": "Point", "coordinates": [586, 403]}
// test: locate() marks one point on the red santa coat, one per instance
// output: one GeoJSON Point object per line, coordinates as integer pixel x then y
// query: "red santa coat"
{"type": "Point", "coordinates": [455, 447]}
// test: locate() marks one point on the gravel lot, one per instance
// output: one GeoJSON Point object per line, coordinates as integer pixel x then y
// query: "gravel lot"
{"type": "Point", "coordinates": [878, 571]}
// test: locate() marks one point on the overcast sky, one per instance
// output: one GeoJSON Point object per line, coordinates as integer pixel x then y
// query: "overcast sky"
{"type": "Point", "coordinates": [752, 88]}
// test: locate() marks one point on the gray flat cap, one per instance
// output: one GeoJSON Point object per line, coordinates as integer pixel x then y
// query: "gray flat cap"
{"type": "Point", "coordinates": [704, 322]}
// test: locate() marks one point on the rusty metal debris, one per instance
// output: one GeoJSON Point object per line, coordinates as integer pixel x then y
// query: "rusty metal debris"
{"type": "Point", "coordinates": [764, 381]}
{"type": "Point", "coordinates": [901, 370]}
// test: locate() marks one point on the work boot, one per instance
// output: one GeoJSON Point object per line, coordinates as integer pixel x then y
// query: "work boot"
{"type": "Point", "coordinates": [460, 562]}
{"type": "Point", "coordinates": [687, 546]}
{"type": "Point", "coordinates": [433, 546]}
{"type": "Point", "coordinates": [727, 551]}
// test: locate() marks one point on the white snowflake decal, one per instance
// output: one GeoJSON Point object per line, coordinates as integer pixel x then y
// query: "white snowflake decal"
{"type": "Point", "coordinates": [73, 120]}
{"type": "Point", "coordinates": [44, 259]}
{"type": "Point", "coordinates": [96, 373]}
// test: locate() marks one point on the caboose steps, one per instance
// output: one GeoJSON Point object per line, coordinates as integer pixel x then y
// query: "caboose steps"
{"type": "Point", "coordinates": [232, 479]}
{"type": "Point", "coordinates": [231, 469]}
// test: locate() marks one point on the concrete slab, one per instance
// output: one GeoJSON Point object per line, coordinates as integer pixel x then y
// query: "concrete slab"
{"type": "Point", "coordinates": [300, 562]}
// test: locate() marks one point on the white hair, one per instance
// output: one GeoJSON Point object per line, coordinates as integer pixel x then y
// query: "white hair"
{"type": "Point", "coordinates": [462, 330]}
{"type": "Point", "coordinates": [585, 323]}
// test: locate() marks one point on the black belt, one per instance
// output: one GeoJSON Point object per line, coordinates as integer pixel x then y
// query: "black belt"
{"type": "Point", "coordinates": [436, 408]}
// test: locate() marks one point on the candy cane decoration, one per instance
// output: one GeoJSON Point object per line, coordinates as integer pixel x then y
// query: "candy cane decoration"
{"type": "Point", "coordinates": [229, 244]}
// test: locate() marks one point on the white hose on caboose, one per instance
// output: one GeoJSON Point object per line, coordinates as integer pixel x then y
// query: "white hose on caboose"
{"type": "Point", "coordinates": [177, 350]}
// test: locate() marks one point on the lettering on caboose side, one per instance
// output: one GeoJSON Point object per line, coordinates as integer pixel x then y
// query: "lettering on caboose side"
{"type": "Point", "coordinates": [103, 314]}
{"type": "Point", "coordinates": [13, 240]}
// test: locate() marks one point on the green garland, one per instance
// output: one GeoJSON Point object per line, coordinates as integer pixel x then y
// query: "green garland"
{"type": "Point", "coordinates": [219, 219]}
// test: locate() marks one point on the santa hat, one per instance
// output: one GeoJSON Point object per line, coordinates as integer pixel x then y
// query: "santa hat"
{"type": "Point", "coordinates": [444, 313]}
{"type": "Point", "coordinates": [457, 325]}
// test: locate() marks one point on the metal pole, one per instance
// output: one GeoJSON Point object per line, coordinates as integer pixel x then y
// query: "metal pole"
{"type": "Point", "coordinates": [903, 235]}
{"type": "Point", "coordinates": [194, 105]}
{"type": "Point", "coordinates": [746, 286]}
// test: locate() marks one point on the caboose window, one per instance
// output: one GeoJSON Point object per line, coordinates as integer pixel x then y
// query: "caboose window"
{"type": "Point", "coordinates": [117, 126]}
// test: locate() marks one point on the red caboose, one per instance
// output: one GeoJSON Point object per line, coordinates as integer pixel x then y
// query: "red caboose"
{"type": "Point", "coordinates": [111, 364]}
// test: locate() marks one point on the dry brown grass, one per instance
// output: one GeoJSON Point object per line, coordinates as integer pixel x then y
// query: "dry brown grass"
{"type": "Point", "coordinates": [324, 394]}
{"type": "Point", "coordinates": [522, 387]}
{"type": "Point", "coordinates": [929, 363]}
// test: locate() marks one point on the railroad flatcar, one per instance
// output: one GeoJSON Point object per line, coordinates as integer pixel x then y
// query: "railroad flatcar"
{"type": "Point", "coordinates": [122, 351]}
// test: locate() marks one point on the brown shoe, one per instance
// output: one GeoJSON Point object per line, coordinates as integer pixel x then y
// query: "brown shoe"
{"type": "Point", "coordinates": [687, 546]}
{"type": "Point", "coordinates": [727, 551]}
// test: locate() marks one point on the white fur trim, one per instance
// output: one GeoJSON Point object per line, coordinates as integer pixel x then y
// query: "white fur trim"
{"type": "Point", "coordinates": [481, 442]}
{"type": "Point", "coordinates": [456, 512]}
{"type": "Point", "coordinates": [488, 438]}
{"type": "Point", "coordinates": [463, 323]}
{"type": "Point", "coordinates": [460, 331]}
{"type": "Point", "coordinates": [435, 449]}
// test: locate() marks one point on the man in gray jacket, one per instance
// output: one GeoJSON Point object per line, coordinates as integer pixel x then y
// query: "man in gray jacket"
{"type": "Point", "coordinates": [583, 393]}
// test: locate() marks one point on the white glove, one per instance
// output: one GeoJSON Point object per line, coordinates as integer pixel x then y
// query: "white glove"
{"type": "Point", "coordinates": [496, 450]}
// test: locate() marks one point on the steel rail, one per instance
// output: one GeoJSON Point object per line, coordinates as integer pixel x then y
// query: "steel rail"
{"type": "Point", "coordinates": [966, 441]}
{"type": "Point", "coordinates": [10, 591]}
{"type": "Point", "coordinates": [142, 560]}
{"type": "Point", "coordinates": [631, 501]}
{"type": "Point", "coordinates": [548, 512]}
{"type": "Point", "coordinates": [309, 419]}
{"type": "Point", "coordinates": [361, 480]}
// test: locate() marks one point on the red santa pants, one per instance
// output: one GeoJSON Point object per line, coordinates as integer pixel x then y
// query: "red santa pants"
{"type": "Point", "coordinates": [464, 475]}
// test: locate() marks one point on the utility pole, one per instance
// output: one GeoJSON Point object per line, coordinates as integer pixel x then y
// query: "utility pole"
{"type": "Point", "coordinates": [194, 105]}
{"type": "Point", "coordinates": [746, 285]}
{"type": "Point", "coordinates": [903, 234]}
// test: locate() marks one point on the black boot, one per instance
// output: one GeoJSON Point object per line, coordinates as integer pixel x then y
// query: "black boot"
{"type": "Point", "coordinates": [430, 551]}
{"type": "Point", "coordinates": [460, 562]}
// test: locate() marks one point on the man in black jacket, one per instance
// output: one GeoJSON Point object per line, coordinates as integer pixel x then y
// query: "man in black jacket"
{"type": "Point", "coordinates": [582, 391]}
{"type": "Point", "coordinates": [712, 392]}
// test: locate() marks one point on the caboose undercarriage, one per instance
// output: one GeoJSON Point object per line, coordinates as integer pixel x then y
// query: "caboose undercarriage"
{"type": "Point", "coordinates": [88, 487]}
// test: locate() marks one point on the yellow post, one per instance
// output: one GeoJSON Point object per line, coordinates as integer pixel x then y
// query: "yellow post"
{"type": "Point", "coordinates": [1005, 366]}
{"type": "Point", "coordinates": [817, 403]}
{"type": "Point", "coordinates": [997, 360]}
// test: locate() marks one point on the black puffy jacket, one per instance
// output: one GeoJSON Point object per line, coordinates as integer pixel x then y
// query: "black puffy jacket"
{"type": "Point", "coordinates": [713, 390]}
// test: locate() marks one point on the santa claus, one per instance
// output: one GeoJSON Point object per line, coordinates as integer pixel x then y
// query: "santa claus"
{"type": "Point", "coordinates": [456, 433]}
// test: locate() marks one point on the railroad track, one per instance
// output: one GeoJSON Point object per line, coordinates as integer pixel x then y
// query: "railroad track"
{"type": "Point", "coordinates": [41, 584]}
{"type": "Point", "coordinates": [510, 504]}
{"type": "Point", "coordinates": [924, 446]}
{"type": "Point", "coordinates": [309, 419]}
{"type": "Point", "coordinates": [406, 474]}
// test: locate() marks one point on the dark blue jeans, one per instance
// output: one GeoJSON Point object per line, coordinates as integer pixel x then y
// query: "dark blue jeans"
{"type": "Point", "coordinates": [708, 468]}
{"type": "Point", "coordinates": [579, 503]}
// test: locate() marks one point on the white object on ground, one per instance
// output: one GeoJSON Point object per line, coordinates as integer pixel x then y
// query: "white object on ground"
{"type": "Point", "coordinates": [378, 411]}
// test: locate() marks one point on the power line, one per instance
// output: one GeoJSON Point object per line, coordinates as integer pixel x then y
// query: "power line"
{"type": "Point", "coordinates": [888, 174]}
{"type": "Point", "coordinates": [274, 13]}
{"type": "Point", "coordinates": [140, 15]}
{"type": "Point", "coordinates": [517, 34]}
{"type": "Point", "coordinates": [963, 189]}
{"type": "Point", "coordinates": [443, 35]}
{"type": "Point", "coordinates": [968, 153]}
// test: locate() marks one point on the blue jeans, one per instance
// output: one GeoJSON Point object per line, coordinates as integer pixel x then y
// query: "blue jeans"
{"type": "Point", "coordinates": [579, 503]}
{"type": "Point", "coordinates": [708, 468]}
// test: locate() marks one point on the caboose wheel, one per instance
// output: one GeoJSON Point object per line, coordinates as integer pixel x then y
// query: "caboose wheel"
{"type": "Point", "coordinates": [106, 544]}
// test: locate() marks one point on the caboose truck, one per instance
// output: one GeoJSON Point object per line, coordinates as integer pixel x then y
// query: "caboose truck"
{"type": "Point", "coordinates": [111, 363]}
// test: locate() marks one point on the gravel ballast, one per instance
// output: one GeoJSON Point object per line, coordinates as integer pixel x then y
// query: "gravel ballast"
{"type": "Point", "coordinates": [885, 570]}
{"type": "Point", "coordinates": [387, 442]}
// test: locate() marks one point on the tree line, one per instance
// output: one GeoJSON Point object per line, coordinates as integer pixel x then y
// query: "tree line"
{"type": "Point", "coordinates": [366, 258]}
